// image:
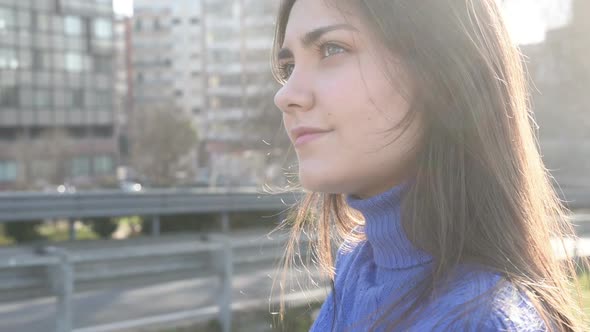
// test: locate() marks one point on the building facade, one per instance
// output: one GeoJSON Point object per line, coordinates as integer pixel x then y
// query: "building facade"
{"type": "Point", "coordinates": [239, 88]}
{"type": "Point", "coordinates": [167, 61]}
{"type": "Point", "coordinates": [560, 71]}
{"type": "Point", "coordinates": [57, 117]}
{"type": "Point", "coordinates": [123, 84]}
{"type": "Point", "coordinates": [210, 60]}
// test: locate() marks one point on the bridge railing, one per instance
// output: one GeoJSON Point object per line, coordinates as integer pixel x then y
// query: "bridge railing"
{"type": "Point", "coordinates": [60, 271]}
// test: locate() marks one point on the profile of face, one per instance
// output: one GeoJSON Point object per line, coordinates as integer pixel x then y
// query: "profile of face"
{"type": "Point", "coordinates": [340, 107]}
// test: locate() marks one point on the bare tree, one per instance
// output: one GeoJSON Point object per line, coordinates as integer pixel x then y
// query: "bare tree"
{"type": "Point", "coordinates": [44, 159]}
{"type": "Point", "coordinates": [160, 143]}
{"type": "Point", "coordinates": [265, 129]}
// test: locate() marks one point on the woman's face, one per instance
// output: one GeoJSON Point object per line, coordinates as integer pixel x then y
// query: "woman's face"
{"type": "Point", "coordinates": [337, 83]}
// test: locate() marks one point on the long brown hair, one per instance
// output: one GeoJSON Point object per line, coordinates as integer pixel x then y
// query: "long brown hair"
{"type": "Point", "coordinates": [480, 193]}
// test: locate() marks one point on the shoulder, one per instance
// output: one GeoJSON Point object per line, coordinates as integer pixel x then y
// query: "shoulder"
{"type": "Point", "coordinates": [512, 310]}
{"type": "Point", "coordinates": [485, 301]}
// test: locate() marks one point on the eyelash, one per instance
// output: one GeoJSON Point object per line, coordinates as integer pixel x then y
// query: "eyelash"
{"type": "Point", "coordinates": [320, 47]}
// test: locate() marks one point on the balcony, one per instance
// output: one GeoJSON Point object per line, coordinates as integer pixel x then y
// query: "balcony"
{"type": "Point", "coordinates": [225, 114]}
{"type": "Point", "coordinates": [230, 68]}
{"type": "Point", "coordinates": [233, 91]}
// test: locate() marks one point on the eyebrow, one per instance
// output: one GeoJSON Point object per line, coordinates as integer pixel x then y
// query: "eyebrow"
{"type": "Point", "coordinates": [312, 36]}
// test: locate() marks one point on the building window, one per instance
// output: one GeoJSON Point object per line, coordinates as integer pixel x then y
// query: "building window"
{"type": "Point", "coordinates": [74, 62]}
{"type": "Point", "coordinates": [213, 81]}
{"type": "Point", "coordinates": [81, 166]}
{"type": "Point", "coordinates": [176, 21]}
{"type": "Point", "coordinates": [195, 20]}
{"type": "Point", "coordinates": [73, 26]}
{"type": "Point", "coordinates": [102, 64]}
{"type": "Point", "coordinates": [6, 18]}
{"type": "Point", "coordinates": [103, 28]}
{"type": "Point", "coordinates": [78, 98]}
{"type": "Point", "coordinates": [43, 22]}
{"type": "Point", "coordinates": [42, 60]}
{"type": "Point", "coordinates": [196, 110]}
{"type": "Point", "coordinates": [24, 18]}
{"type": "Point", "coordinates": [8, 59]}
{"type": "Point", "coordinates": [26, 97]}
{"type": "Point", "coordinates": [104, 99]}
{"type": "Point", "coordinates": [103, 165]}
{"type": "Point", "coordinates": [9, 96]}
{"type": "Point", "coordinates": [8, 171]}
{"type": "Point", "coordinates": [214, 102]}
{"type": "Point", "coordinates": [37, 59]}
{"type": "Point", "coordinates": [42, 98]}
{"type": "Point", "coordinates": [178, 93]}
{"type": "Point", "coordinates": [138, 25]}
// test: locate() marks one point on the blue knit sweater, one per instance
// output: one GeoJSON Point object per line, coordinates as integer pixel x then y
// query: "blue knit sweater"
{"type": "Point", "coordinates": [375, 273]}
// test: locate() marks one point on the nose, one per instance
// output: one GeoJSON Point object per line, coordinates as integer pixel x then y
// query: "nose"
{"type": "Point", "coordinates": [295, 95]}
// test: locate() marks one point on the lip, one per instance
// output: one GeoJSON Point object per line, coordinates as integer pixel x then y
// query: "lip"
{"type": "Point", "coordinates": [302, 135]}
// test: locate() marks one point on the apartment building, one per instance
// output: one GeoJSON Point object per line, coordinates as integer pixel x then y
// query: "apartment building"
{"type": "Point", "coordinates": [167, 60]}
{"type": "Point", "coordinates": [238, 39]}
{"type": "Point", "coordinates": [56, 92]}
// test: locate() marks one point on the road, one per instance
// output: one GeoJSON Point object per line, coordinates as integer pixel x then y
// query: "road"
{"type": "Point", "coordinates": [194, 298]}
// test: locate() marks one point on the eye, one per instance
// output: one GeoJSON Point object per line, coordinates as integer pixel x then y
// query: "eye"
{"type": "Point", "coordinates": [326, 50]}
{"type": "Point", "coordinates": [329, 49]}
{"type": "Point", "coordinates": [285, 70]}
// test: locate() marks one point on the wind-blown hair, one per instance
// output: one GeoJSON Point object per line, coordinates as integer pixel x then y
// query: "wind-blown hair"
{"type": "Point", "coordinates": [480, 192]}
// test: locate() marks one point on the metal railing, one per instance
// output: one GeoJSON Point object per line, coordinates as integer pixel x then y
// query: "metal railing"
{"type": "Point", "coordinates": [16, 206]}
{"type": "Point", "coordinates": [62, 270]}
{"type": "Point", "coordinates": [66, 268]}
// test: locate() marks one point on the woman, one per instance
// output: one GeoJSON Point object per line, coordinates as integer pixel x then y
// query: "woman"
{"type": "Point", "coordinates": [415, 143]}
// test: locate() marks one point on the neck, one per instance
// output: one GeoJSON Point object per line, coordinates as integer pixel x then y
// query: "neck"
{"type": "Point", "coordinates": [384, 229]}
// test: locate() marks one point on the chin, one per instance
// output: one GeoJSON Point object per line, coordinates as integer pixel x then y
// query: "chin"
{"type": "Point", "coordinates": [320, 182]}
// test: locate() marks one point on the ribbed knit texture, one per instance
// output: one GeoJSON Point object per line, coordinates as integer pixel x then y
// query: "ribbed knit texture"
{"type": "Point", "coordinates": [376, 273]}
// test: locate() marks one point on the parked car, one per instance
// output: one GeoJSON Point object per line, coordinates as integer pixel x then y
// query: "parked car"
{"type": "Point", "coordinates": [130, 186]}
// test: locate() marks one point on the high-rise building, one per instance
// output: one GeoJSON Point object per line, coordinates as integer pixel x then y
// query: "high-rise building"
{"type": "Point", "coordinates": [167, 59]}
{"type": "Point", "coordinates": [209, 59]}
{"type": "Point", "coordinates": [123, 84]}
{"type": "Point", "coordinates": [56, 75]}
{"type": "Point", "coordinates": [560, 71]}
{"type": "Point", "coordinates": [238, 40]}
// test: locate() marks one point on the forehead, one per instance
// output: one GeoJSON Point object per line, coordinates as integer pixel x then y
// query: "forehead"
{"type": "Point", "coordinates": [307, 15]}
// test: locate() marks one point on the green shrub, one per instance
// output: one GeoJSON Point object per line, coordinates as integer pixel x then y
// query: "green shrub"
{"type": "Point", "coordinates": [23, 231]}
{"type": "Point", "coordinates": [183, 223]}
{"type": "Point", "coordinates": [103, 227]}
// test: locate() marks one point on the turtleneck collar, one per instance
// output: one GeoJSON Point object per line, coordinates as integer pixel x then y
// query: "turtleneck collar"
{"type": "Point", "coordinates": [384, 230]}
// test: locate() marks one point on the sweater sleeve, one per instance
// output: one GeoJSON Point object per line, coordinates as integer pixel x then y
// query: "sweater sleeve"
{"type": "Point", "coordinates": [327, 313]}
{"type": "Point", "coordinates": [513, 311]}
{"type": "Point", "coordinates": [323, 321]}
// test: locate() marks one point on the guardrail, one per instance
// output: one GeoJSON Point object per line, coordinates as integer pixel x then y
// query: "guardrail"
{"type": "Point", "coordinates": [62, 270]}
{"type": "Point", "coordinates": [35, 206]}
{"type": "Point", "coordinates": [16, 206]}
{"type": "Point", "coordinates": [151, 204]}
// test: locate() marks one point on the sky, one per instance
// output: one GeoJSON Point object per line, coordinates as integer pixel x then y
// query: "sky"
{"type": "Point", "coordinates": [123, 7]}
{"type": "Point", "coordinates": [527, 19]}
